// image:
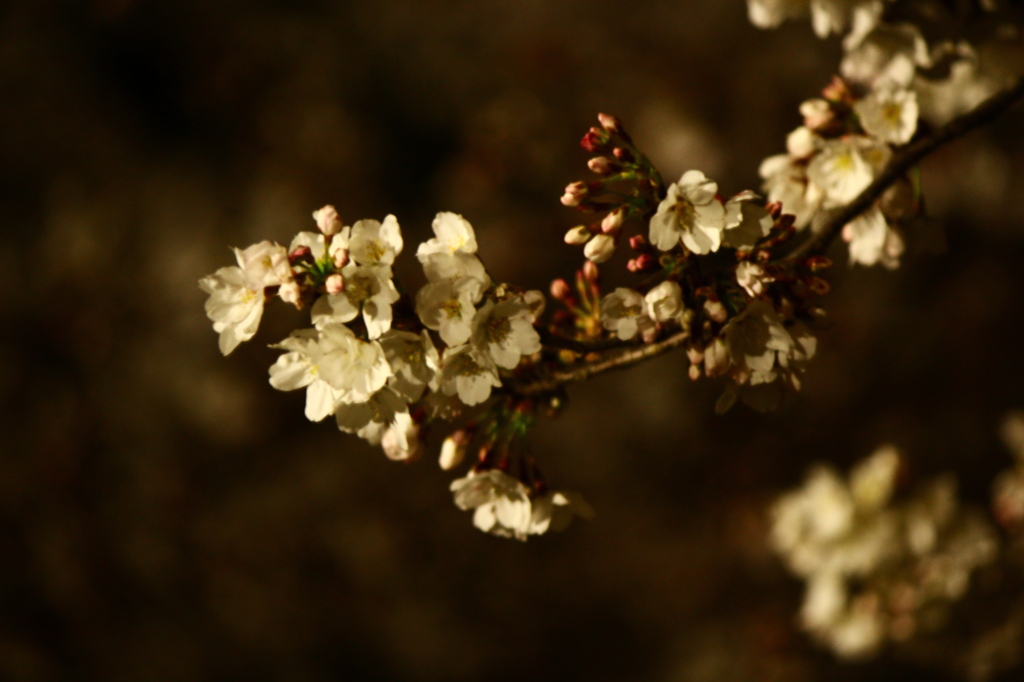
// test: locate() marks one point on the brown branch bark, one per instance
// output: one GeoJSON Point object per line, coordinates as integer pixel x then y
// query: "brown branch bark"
{"type": "Point", "coordinates": [552, 340]}
{"type": "Point", "coordinates": [613, 359]}
{"type": "Point", "coordinates": [904, 159]}
{"type": "Point", "coordinates": [621, 354]}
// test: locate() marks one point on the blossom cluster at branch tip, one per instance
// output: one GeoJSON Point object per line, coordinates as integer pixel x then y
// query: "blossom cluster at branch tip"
{"type": "Point", "coordinates": [877, 570]}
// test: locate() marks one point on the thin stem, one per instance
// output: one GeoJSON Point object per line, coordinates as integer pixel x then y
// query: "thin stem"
{"type": "Point", "coordinates": [552, 340]}
{"type": "Point", "coordinates": [612, 359]}
{"type": "Point", "coordinates": [903, 161]}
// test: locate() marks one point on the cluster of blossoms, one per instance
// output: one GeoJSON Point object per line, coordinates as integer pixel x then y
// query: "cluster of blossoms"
{"type": "Point", "coordinates": [878, 571]}
{"type": "Point", "coordinates": [717, 275]}
{"type": "Point", "coordinates": [890, 84]}
{"type": "Point", "coordinates": [370, 360]}
{"type": "Point", "coordinates": [1008, 489]}
{"type": "Point", "coordinates": [745, 315]}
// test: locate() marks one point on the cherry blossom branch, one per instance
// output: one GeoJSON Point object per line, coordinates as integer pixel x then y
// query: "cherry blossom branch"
{"type": "Point", "coordinates": [903, 161]}
{"type": "Point", "coordinates": [584, 369]}
{"type": "Point", "coordinates": [552, 340]}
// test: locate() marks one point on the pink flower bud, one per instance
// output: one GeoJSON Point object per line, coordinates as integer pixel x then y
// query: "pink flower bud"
{"type": "Point", "coordinates": [694, 372]}
{"type": "Point", "coordinates": [560, 289]}
{"type": "Point", "coordinates": [335, 284]}
{"type": "Point", "coordinates": [574, 193]}
{"type": "Point", "coordinates": [327, 220]}
{"type": "Point", "coordinates": [646, 262]}
{"type": "Point", "coordinates": [774, 209]}
{"type": "Point", "coordinates": [632, 265]}
{"type": "Point", "coordinates": [290, 293]}
{"type": "Point", "coordinates": [590, 272]}
{"type": "Point", "coordinates": [601, 165]}
{"type": "Point", "coordinates": [341, 258]}
{"type": "Point", "coordinates": [300, 253]}
{"type": "Point", "coordinates": [577, 235]}
{"type": "Point", "coordinates": [594, 140]}
{"type": "Point", "coordinates": [715, 310]}
{"type": "Point", "coordinates": [623, 155]}
{"type": "Point", "coordinates": [637, 242]}
{"type": "Point", "coordinates": [610, 123]}
{"type": "Point", "coordinates": [612, 223]}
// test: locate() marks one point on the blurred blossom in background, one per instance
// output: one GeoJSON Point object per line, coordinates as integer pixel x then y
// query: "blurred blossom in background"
{"type": "Point", "coordinates": [166, 515]}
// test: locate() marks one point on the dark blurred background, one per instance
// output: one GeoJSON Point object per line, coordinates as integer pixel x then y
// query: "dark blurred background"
{"type": "Point", "coordinates": [166, 515]}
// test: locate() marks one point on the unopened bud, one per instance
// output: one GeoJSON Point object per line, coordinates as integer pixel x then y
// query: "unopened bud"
{"type": "Point", "coordinates": [407, 451]}
{"type": "Point", "coordinates": [341, 258]}
{"type": "Point", "coordinates": [715, 310]}
{"type": "Point", "coordinates": [646, 262]}
{"type": "Point", "coordinates": [695, 355]}
{"type": "Point", "coordinates": [300, 253]}
{"type": "Point", "coordinates": [612, 222]}
{"type": "Point", "coordinates": [578, 235]}
{"type": "Point", "coordinates": [637, 242]}
{"type": "Point", "coordinates": [694, 372]}
{"type": "Point", "coordinates": [327, 220]}
{"type": "Point", "coordinates": [453, 451]}
{"type": "Point", "coordinates": [774, 209]}
{"type": "Point", "coordinates": [623, 155]}
{"type": "Point", "coordinates": [289, 292]}
{"type": "Point", "coordinates": [335, 284]}
{"type": "Point", "coordinates": [594, 140]}
{"type": "Point", "coordinates": [632, 265]}
{"type": "Point", "coordinates": [716, 358]}
{"type": "Point", "coordinates": [601, 165]}
{"type": "Point", "coordinates": [590, 272]}
{"type": "Point", "coordinates": [560, 290]}
{"type": "Point", "coordinates": [600, 248]}
{"type": "Point", "coordinates": [837, 91]}
{"type": "Point", "coordinates": [610, 123]}
{"type": "Point", "coordinates": [574, 193]}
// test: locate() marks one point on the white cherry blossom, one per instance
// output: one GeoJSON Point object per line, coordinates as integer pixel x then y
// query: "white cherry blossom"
{"type": "Point", "coordinates": [401, 440]}
{"type": "Point", "coordinates": [298, 368]}
{"type": "Point", "coordinates": [235, 305]}
{"type": "Point", "coordinates": [623, 312]}
{"type": "Point", "coordinates": [266, 263]}
{"type": "Point", "coordinates": [690, 214]}
{"type": "Point", "coordinates": [872, 241]}
{"type": "Point", "coordinates": [845, 167]}
{"type": "Point", "coordinates": [374, 243]}
{"type": "Point", "coordinates": [555, 510]}
{"type": "Point", "coordinates": [786, 181]}
{"type": "Point", "coordinates": [752, 277]}
{"type": "Point", "coordinates": [413, 360]}
{"type": "Point", "coordinates": [467, 375]}
{"type": "Point", "coordinates": [501, 502]}
{"type": "Point", "coordinates": [504, 332]}
{"type": "Point", "coordinates": [745, 223]}
{"type": "Point", "coordinates": [372, 418]}
{"type": "Point", "coordinates": [448, 307]}
{"type": "Point", "coordinates": [347, 363]}
{"type": "Point", "coordinates": [368, 289]}
{"type": "Point", "coordinates": [889, 115]}
{"type": "Point", "coordinates": [453, 234]}
{"type": "Point", "coordinates": [664, 303]}
{"type": "Point", "coordinates": [316, 242]}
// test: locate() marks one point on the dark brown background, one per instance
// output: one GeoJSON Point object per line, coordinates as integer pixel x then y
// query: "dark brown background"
{"type": "Point", "coordinates": [166, 515]}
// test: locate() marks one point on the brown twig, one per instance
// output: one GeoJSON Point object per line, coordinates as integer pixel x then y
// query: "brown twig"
{"type": "Point", "coordinates": [903, 160]}
{"type": "Point", "coordinates": [620, 354]}
{"type": "Point", "coordinates": [584, 369]}
{"type": "Point", "coordinates": [552, 340]}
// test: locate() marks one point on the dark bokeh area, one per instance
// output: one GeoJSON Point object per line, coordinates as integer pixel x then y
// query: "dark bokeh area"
{"type": "Point", "coordinates": [166, 515]}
